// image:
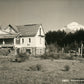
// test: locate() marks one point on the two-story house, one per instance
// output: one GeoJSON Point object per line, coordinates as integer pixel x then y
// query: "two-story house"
{"type": "Point", "coordinates": [29, 38]}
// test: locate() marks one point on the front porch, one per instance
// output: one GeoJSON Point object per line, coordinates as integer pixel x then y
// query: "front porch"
{"type": "Point", "coordinates": [7, 42]}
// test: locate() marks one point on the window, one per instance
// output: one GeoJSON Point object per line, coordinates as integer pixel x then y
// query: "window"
{"type": "Point", "coordinates": [28, 51]}
{"type": "Point", "coordinates": [29, 40]}
{"type": "Point", "coordinates": [18, 41]}
{"type": "Point", "coordinates": [22, 40]}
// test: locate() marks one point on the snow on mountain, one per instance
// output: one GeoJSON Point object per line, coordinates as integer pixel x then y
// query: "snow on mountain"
{"type": "Point", "coordinates": [72, 27]}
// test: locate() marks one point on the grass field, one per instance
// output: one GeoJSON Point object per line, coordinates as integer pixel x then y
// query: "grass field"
{"type": "Point", "coordinates": [48, 72]}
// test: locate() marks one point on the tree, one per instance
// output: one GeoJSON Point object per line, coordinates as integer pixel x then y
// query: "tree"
{"type": "Point", "coordinates": [55, 37]}
{"type": "Point", "coordinates": [61, 38]}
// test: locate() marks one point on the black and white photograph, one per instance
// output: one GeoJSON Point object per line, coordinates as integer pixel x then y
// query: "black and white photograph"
{"type": "Point", "coordinates": [41, 41]}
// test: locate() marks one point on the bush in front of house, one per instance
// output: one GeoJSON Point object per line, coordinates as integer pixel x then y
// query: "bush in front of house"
{"type": "Point", "coordinates": [4, 51]}
{"type": "Point", "coordinates": [21, 57]}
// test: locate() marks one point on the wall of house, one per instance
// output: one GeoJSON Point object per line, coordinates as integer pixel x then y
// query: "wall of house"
{"type": "Point", "coordinates": [31, 50]}
{"type": "Point", "coordinates": [35, 42]}
{"type": "Point", "coordinates": [36, 46]}
{"type": "Point", "coordinates": [26, 42]}
{"type": "Point", "coordinates": [40, 51]}
{"type": "Point", "coordinates": [40, 41]}
{"type": "Point", "coordinates": [40, 31]}
{"type": "Point", "coordinates": [40, 38]}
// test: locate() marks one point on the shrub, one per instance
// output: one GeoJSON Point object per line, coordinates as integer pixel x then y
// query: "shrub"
{"type": "Point", "coordinates": [44, 56]}
{"type": "Point", "coordinates": [36, 67]}
{"type": "Point", "coordinates": [50, 56]}
{"type": "Point", "coordinates": [4, 51]}
{"type": "Point", "coordinates": [71, 57]}
{"type": "Point", "coordinates": [66, 68]}
{"type": "Point", "coordinates": [67, 56]}
{"type": "Point", "coordinates": [54, 56]}
{"type": "Point", "coordinates": [20, 57]}
{"type": "Point", "coordinates": [58, 56]}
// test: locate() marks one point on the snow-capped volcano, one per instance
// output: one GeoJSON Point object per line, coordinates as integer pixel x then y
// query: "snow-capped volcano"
{"type": "Point", "coordinates": [72, 27]}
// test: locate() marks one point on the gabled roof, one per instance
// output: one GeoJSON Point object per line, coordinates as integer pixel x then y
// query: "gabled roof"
{"type": "Point", "coordinates": [2, 36]}
{"type": "Point", "coordinates": [22, 30]}
{"type": "Point", "coordinates": [14, 28]}
{"type": "Point", "coordinates": [28, 30]}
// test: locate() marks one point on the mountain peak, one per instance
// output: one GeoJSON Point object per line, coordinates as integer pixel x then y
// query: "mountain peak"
{"type": "Point", "coordinates": [73, 23]}
{"type": "Point", "coordinates": [72, 27]}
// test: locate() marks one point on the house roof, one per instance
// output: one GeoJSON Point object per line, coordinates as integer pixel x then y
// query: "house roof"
{"type": "Point", "coordinates": [2, 36]}
{"type": "Point", "coordinates": [14, 28]}
{"type": "Point", "coordinates": [28, 30]}
{"type": "Point", "coordinates": [22, 30]}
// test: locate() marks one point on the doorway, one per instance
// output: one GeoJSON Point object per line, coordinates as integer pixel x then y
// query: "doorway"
{"type": "Point", "coordinates": [28, 51]}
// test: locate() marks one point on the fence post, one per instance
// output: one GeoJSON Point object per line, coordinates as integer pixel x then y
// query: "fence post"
{"type": "Point", "coordinates": [81, 49]}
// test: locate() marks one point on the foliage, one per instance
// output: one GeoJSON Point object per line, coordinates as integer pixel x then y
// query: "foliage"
{"type": "Point", "coordinates": [22, 57]}
{"type": "Point", "coordinates": [66, 68]}
{"type": "Point", "coordinates": [50, 56]}
{"type": "Point", "coordinates": [53, 48]}
{"type": "Point", "coordinates": [58, 56]}
{"type": "Point", "coordinates": [19, 57]}
{"type": "Point", "coordinates": [36, 67]}
{"type": "Point", "coordinates": [4, 51]}
{"type": "Point", "coordinates": [55, 37]}
{"type": "Point", "coordinates": [63, 39]}
{"type": "Point", "coordinates": [14, 73]}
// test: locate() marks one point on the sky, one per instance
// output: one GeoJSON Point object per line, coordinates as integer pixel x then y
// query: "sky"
{"type": "Point", "coordinates": [52, 14]}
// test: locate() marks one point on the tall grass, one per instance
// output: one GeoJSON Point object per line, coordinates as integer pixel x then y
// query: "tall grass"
{"type": "Point", "coordinates": [14, 73]}
{"type": "Point", "coordinates": [57, 56]}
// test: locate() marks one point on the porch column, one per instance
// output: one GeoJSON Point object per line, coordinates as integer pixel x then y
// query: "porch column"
{"type": "Point", "coordinates": [3, 42]}
{"type": "Point", "coordinates": [15, 51]}
{"type": "Point", "coordinates": [14, 41]}
{"type": "Point", "coordinates": [79, 51]}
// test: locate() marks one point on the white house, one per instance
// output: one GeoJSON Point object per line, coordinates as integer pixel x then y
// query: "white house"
{"type": "Point", "coordinates": [29, 38]}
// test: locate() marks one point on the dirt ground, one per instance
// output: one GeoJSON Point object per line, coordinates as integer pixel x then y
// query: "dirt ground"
{"type": "Point", "coordinates": [49, 72]}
